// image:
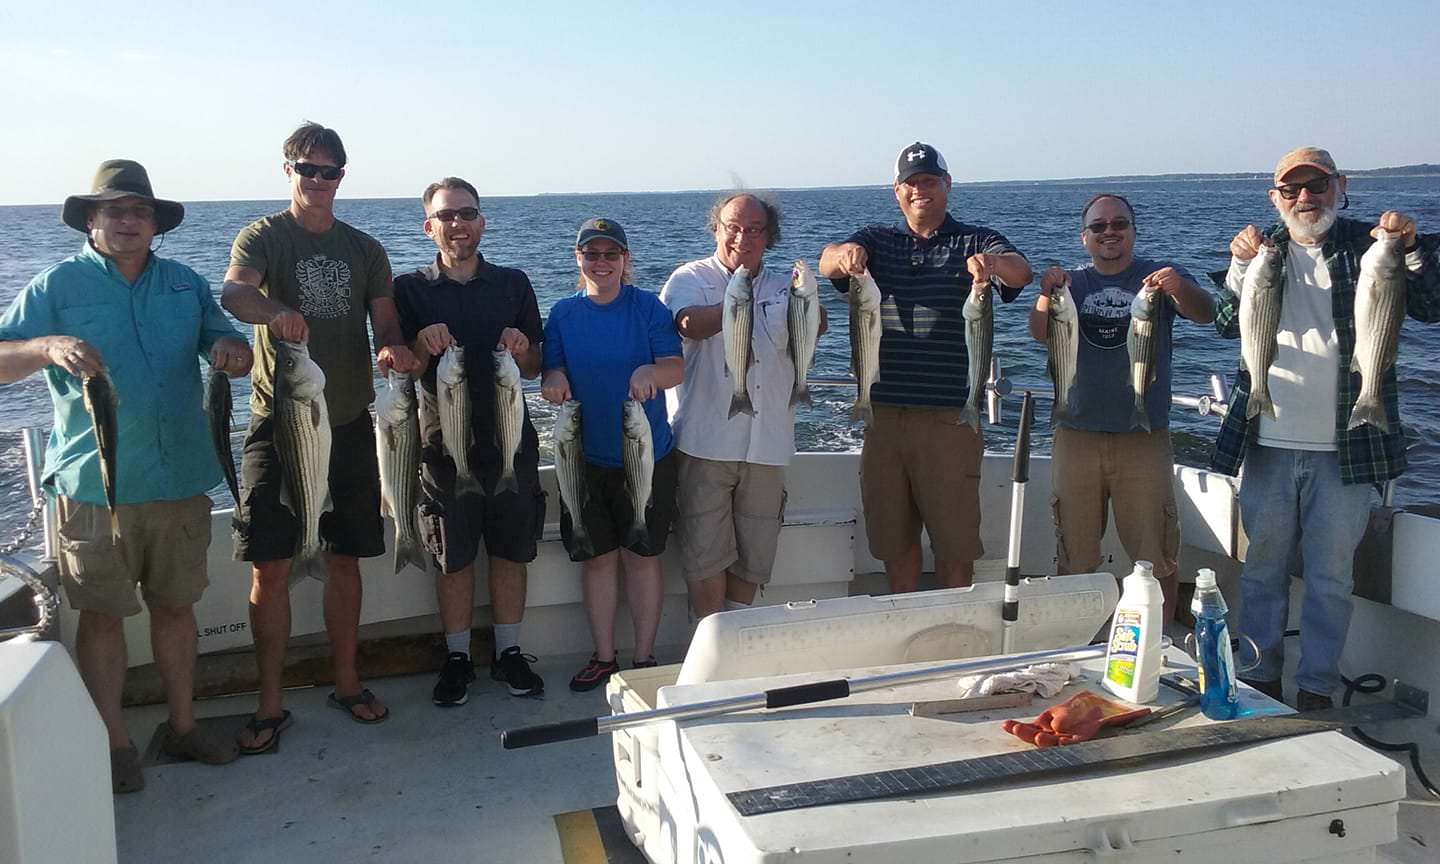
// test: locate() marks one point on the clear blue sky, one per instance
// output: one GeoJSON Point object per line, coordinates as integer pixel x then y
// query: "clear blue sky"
{"type": "Point", "coordinates": [526, 97]}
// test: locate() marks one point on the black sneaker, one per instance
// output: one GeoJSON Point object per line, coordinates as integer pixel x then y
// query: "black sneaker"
{"type": "Point", "coordinates": [645, 664]}
{"type": "Point", "coordinates": [595, 673]}
{"type": "Point", "coordinates": [1307, 701]}
{"type": "Point", "coordinates": [513, 668]}
{"type": "Point", "coordinates": [453, 688]}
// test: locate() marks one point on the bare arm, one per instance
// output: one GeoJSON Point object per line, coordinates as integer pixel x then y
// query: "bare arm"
{"type": "Point", "coordinates": [241, 297]}
{"type": "Point", "coordinates": [650, 380]}
{"type": "Point", "coordinates": [699, 322]}
{"type": "Point", "coordinates": [839, 260]}
{"type": "Point", "coordinates": [1012, 268]}
{"type": "Point", "coordinates": [24, 357]}
{"type": "Point", "coordinates": [1040, 317]}
{"type": "Point", "coordinates": [393, 353]}
{"type": "Point", "coordinates": [1190, 299]}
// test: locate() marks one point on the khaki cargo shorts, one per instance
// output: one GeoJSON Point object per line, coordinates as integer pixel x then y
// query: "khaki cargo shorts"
{"type": "Point", "coordinates": [1129, 472]}
{"type": "Point", "coordinates": [162, 548]}
{"type": "Point", "coordinates": [921, 466]}
{"type": "Point", "coordinates": [728, 517]}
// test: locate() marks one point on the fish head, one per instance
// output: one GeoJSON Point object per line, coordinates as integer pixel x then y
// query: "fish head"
{"type": "Point", "coordinates": [864, 293]}
{"type": "Point", "coordinates": [396, 399]}
{"type": "Point", "coordinates": [637, 425]}
{"type": "Point", "coordinates": [1062, 305]}
{"type": "Point", "coordinates": [802, 280]}
{"type": "Point", "coordinates": [1385, 255]}
{"type": "Point", "coordinates": [451, 369]}
{"type": "Point", "coordinates": [507, 372]}
{"type": "Point", "coordinates": [304, 380]}
{"type": "Point", "coordinates": [738, 291]}
{"type": "Point", "coordinates": [567, 421]}
{"type": "Point", "coordinates": [1142, 308]}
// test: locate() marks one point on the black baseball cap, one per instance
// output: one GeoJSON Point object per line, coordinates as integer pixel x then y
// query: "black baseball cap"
{"type": "Point", "coordinates": [919, 158]}
{"type": "Point", "coordinates": [601, 229]}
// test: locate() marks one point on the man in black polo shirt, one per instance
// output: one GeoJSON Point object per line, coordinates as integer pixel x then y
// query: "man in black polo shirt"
{"type": "Point", "coordinates": [463, 299]}
{"type": "Point", "coordinates": [920, 464]}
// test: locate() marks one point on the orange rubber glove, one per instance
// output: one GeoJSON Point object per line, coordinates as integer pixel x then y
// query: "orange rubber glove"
{"type": "Point", "coordinates": [1076, 719]}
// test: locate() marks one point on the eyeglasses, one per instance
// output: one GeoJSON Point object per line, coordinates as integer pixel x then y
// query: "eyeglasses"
{"type": "Point", "coordinates": [464, 214]}
{"type": "Point", "coordinates": [1100, 227]}
{"type": "Point", "coordinates": [117, 212]}
{"type": "Point", "coordinates": [608, 255]}
{"type": "Point", "coordinates": [1319, 186]}
{"type": "Point", "coordinates": [733, 228]}
{"type": "Point", "coordinates": [310, 169]}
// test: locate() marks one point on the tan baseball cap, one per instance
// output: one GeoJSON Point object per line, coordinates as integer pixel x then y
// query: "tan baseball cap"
{"type": "Point", "coordinates": [1314, 157]}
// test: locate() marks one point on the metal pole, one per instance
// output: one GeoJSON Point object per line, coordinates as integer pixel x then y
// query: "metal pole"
{"type": "Point", "coordinates": [1010, 611]}
{"type": "Point", "coordinates": [34, 459]}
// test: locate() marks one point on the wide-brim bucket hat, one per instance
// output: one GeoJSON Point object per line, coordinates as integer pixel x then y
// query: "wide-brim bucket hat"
{"type": "Point", "coordinates": [122, 178]}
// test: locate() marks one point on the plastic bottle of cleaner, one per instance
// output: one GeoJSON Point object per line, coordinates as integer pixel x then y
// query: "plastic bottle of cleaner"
{"type": "Point", "coordinates": [1218, 698]}
{"type": "Point", "coordinates": [1132, 662]}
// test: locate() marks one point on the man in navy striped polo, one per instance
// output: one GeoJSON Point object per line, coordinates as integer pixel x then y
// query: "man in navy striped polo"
{"type": "Point", "coordinates": [920, 465]}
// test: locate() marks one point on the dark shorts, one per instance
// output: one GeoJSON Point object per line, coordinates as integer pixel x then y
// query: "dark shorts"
{"type": "Point", "coordinates": [266, 529]}
{"type": "Point", "coordinates": [510, 524]}
{"type": "Point", "coordinates": [607, 512]}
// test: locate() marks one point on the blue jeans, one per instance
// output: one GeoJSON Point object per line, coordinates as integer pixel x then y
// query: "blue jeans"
{"type": "Point", "coordinates": [1293, 500]}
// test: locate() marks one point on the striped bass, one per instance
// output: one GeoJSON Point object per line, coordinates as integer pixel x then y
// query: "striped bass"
{"type": "Point", "coordinates": [452, 401]}
{"type": "Point", "coordinates": [1259, 323]}
{"type": "Point", "coordinates": [1140, 342]}
{"type": "Point", "coordinates": [103, 407]}
{"type": "Point", "coordinates": [570, 476]}
{"type": "Point", "coordinates": [302, 444]}
{"type": "Point", "coordinates": [397, 444]}
{"type": "Point", "coordinates": [1379, 312]}
{"type": "Point", "coordinates": [865, 331]}
{"type": "Point", "coordinates": [1062, 343]}
{"type": "Point", "coordinates": [509, 418]}
{"type": "Point", "coordinates": [803, 318]}
{"type": "Point", "coordinates": [639, 472]}
{"type": "Point", "coordinates": [979, 315]}
{"type": "Point", "coordinates": [220, 408]}
{"type": "Point", "coordinates": [736, 324]}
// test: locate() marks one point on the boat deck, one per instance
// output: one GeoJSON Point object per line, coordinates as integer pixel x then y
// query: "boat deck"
{"type": "Point", "coordinates": [432, 784]}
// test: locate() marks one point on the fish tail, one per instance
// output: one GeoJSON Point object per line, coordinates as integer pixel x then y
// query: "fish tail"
{"type": "Point", "coordinates": [114, 526]}
{"type": "Point", "coordinates": [864, 413]}
{"type": "Point", "coordinates": [466, 482]}
{"type": "Point", "coordinates": [800, 395]}
{"type": "Point", "coordinates": [970, 414]}
{"type": "Point", "coordinates": [408, 551]}
{"type": "Point", "coordinates": [1369, 410]}
{"type": "Point", "coordinates": [507, 483]}
{"type": "Point", "coordinates": [739, 403]}
{"type": "Point", "coordinates": [638, 536]}
{"type": "Point", "coordinates": [1140, 417]}
{"type": "Point", "coordinates": [1259, 401]}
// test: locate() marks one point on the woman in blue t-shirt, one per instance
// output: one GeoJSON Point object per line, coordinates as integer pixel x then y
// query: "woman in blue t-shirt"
{"type": "Point", "coordinates": [606, 345]}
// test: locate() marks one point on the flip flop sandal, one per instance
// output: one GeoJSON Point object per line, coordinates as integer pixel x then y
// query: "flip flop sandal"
{"type": "Point", "coordinates": [273, 725]}
{"type": "Point", "coordinates": [125, 773]}
{"type": "Point", "coordinates": [348, 703]}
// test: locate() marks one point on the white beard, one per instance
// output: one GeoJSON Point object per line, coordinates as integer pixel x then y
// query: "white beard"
{"type": "Point", "coordinates": [1307, 231]}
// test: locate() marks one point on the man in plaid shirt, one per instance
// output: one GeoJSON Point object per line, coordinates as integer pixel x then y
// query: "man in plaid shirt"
{"type": "Point", "coordinates": [1310, 482]}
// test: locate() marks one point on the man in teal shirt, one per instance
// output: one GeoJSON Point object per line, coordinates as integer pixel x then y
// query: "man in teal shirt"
{"type": "Point", "coordinates": [144, 320]}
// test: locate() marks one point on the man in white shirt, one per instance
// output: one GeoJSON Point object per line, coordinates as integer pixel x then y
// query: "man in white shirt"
{"type": "Point", "coordinates": [732, 469]}
{"type": "Point", "coordinates": [1310, 480]}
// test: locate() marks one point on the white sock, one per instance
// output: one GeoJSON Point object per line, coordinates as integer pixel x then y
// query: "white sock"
{"type": "Point", "coordinates": [458, 643]}
{"type": "Point", "coordinates": [506, 636]}
{"type": "Point", "coordinates": [732, 605]}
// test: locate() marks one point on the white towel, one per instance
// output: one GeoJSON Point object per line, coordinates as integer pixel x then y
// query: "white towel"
{"type": "Point", "coordinates": [1042, 679]}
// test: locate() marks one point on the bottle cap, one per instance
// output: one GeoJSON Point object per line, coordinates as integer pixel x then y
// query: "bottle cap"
{"type": "Point", "coordinates": [1143, 568]}
{"type": "Point", "coordinates": [1205, 578]}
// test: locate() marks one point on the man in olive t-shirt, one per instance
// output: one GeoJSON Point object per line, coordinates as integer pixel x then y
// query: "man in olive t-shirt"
{"type": "Point", "coordinates": [301, 275]}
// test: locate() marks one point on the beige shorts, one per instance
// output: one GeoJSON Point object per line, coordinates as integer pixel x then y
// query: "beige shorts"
{"type": "Point", "coordinates": [728, 517]}
{"type": "Point", "coordinates": [162, 548]}
{"type": "Point", "coordinates": [1130, 472]}
{"type": "Point", "coordinates": [921, 466]}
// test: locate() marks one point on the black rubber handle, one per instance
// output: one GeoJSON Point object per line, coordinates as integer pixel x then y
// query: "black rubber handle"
{"type": "Point", "coordinates": [1022, 439]}
{"type": "Point", "coordinates": [804, 694]}
{"type": "Point", "coordinates": [549, 733]}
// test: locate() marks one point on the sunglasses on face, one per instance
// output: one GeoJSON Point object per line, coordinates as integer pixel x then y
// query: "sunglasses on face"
{"type": "Point", "coordinates": [117, 212]}
{"type": "Point", "coordinates": [464, 214]}
{"type": "Point", "coordinates": [609, 255]}
{"type": "Point", "coordinates": [1100, 227]}
{"type": "Point", "coordinates": [310, 169]}
{"type": "Point", "coordinates": [1319, 186]}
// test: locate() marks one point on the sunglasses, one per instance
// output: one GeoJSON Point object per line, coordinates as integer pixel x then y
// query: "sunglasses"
{"type": "Point", "coordinates": [1319, 186]}
{"type": "Point", "coordinates": [310, 169]}
{"type": "Point", "coordinates": [734, 228]}
{"type": "Point", "coordinates": [608, 255]}
{"type": "Point", "coordinates": [117, 212]}
{"type": "Point", "coordinates": [1100, 227]}
{"type": "Point", "coordinates": [464, 214]}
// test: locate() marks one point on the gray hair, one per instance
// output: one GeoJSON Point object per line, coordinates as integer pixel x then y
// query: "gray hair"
{"type": "Point", "coordinates": [767, 203]}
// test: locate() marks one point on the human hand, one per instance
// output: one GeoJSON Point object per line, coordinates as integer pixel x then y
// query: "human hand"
{"type": "Point", "coordinates": [982, 267]}
{"type": "Point", "coordinates": [555, 387]}
{"type": "Point", "coordinates": [1166, 279]}
{"type": "Point", "coordinates": [231, 356]}
{"type": "Point", "coordinates": [289, 326]}
{"type": "Point", "coordinates": [852, 258]}
{"type": "Point", "coordinates": [514, 341]}
{"type": "Point", "coordinates": [1053, 279]}
{"type": "Point", "coordinates": [396, 357]}
{"type": "Point", "coordinates": [1247, 243]}
{"type": "Point", "coordinates": [435, 339]}
{"type": "Point", "coordinates": [1396, 223]}
{"type": "Point", "coordinates": [642, 383]}
{"type": "Point", "coordinates": [74, 355]}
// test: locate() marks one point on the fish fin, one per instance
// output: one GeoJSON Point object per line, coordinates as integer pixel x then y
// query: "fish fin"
{"type": "Point", "coordinates": [638, 536]}
{"type": "Point", "coordinates": [315, 412]}
{"type": "Point", "coordinates": [408, 551]}
{"type": "Point", "coordinates": [307, 565]}
{"type": "Point", "coordinates": [1370, 411]}
{"type": "Point", "coordinates": [741, 402]}
{"type": "Point", "coordinates": [114, 527]}
{"type": "Point", "coordinates": [1355, 364]}
{"type": "Point", "coordinates": [863, 412]}
{"type": "Point", "coordinates": [970, 415]}
{"type": "Point", "coordinates": [466, 482]}
{"type": "Point", "coordinates": [328, 504]}
{"type": "Point", "coordinates": [1140, 417]}
{"type": "Point", "coordinates": [1259, 402]}
{"type": "Point", "coordinates": [800, 395]}
{"type": "Point", "coordinates": [507, 483]}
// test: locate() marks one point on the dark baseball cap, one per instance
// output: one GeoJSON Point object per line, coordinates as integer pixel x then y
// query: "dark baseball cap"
{"type": "Point", "coordinates": [919, 158]}
{"type": "Point", "coordinates": [601, 229]}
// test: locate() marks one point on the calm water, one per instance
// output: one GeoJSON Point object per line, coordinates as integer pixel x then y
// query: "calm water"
{"type": "Point", "coordinates": [1190, 222]}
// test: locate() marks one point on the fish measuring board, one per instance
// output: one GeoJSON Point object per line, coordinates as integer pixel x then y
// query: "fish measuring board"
{"type": "Point", "coordinates": [1002, 767]}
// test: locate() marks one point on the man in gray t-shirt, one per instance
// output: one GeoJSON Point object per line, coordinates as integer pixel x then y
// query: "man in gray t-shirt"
{"type": "Point", "coordinates": [1103, 457]}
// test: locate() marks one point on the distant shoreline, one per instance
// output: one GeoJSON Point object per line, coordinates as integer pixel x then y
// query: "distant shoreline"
{"type": "Point", "coordinates": [1424, 169]}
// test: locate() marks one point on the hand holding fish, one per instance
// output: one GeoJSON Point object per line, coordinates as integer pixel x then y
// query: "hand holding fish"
{"type": "Point", "coordinates": [1053, 279]}
{"type": "Point", "coordinates": [433, 340]}
{"type": "Point", "coordinates": [555, 387]}
{"type": "Point", "coordinates": [1166, 280]}
{"type": "Point", "coordinates": [982, 268]}
{"type": "Point", "coordinates": [75, 356]}
{"type": "Point", "coordinates": [853, 258]}
{"type": "Point", "coordinates": [396, 357]}
{"type": "Point", "coordinates": [514, 341]}
{"type": "Point", "coordinates": [231, 356]}
{"type": "Point", "coordinates": [1393, 222]}
{"type": "Point", "coordinates": [643, 385]}
{"type": "Point", "coordinates": [1247, 243]}
{"type": "Point", "coordinates": [289, 326]}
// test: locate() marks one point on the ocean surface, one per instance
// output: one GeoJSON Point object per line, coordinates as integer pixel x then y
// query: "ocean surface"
{"type": "Point", "coordinates": [1189, 222]}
